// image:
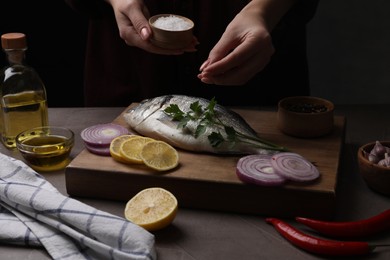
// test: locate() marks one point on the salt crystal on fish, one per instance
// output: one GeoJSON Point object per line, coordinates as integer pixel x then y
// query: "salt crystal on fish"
{"type": "Point", "coordinates": [172, 23]}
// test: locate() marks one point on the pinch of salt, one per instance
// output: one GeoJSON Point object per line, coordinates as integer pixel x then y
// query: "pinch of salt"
{"type": "Point", "coordinates": [172, 23]}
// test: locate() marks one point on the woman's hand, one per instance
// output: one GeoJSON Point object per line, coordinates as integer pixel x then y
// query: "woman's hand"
{"type": "Point", "coordinates": [132, 20]}
{"type": "Point", "coordinates": [245, 47]}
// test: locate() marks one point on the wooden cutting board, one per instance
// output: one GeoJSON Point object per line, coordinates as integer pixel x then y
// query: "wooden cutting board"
{"type": "Point", "coordinates": [205, 181]}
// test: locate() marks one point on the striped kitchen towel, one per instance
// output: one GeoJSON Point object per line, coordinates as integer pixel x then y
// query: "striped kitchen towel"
{"type": "Point", "coordinates": [35, 213]}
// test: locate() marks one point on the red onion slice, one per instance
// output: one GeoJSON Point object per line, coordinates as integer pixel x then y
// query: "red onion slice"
{"type": "Point", "coordinates": [257, 169]}
{"type": "Point", "coordinates": [101, 135]}
{"type": "Point", "coordinates": [104, 151]}
{"type": "Point", "coordinates": [294, 167]}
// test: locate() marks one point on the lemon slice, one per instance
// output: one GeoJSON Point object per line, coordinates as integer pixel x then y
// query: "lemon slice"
{"type": "Point", "coordinates": [115, 146]}
{"type": "Point", "coordinates": [152, 208]}
{"type": "Point", "coordinates": [159, 155]}
{"type": "Point", "coordinates": [130, 150]}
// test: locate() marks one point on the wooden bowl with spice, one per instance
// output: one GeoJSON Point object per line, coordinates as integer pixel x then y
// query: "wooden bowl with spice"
{"type": "Point", "coordinates": [374, 165]}
{"type": "Point", "coordinates": [171, 31]}
{"type": "Point", "coordinates": [305, 116]}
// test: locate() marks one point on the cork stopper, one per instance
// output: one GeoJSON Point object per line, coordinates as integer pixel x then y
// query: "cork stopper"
{"type": "Point", "coordinates": [13, 41]}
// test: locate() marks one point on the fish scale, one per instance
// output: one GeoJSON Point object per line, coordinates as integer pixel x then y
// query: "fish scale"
{"type": "Point", "coordinates": [148, 118]}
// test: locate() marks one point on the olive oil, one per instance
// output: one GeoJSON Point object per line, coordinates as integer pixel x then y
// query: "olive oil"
{"type": "Point", "coordinates": [21, 112]}
{"type": "Point", "coordinates": [23, 99]}
{"type": "Point", "coordinates": [45, 153]}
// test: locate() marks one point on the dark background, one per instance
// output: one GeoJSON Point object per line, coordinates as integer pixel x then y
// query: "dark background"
{"type": "Point", "coordinates": [56, 43]}
{"type": "Point", "coordinates": [349, 51]}
{"type": "Point", "coordinates": [348, 48]}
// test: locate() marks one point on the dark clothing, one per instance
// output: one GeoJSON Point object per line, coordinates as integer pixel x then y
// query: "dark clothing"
{"type": "Point", "coordinates": [117, 75]}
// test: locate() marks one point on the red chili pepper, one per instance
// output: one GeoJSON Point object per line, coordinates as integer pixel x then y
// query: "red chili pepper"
{"type": "Point", "coordinates": [360, 228]}
{"type": "Point", "coordinates": [318, 245]}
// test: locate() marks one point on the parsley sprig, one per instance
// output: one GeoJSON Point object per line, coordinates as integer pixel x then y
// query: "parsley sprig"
{"type": "Point", "coordinates": [206, 117]}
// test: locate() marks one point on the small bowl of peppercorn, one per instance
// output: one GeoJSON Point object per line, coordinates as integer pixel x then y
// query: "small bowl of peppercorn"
{"type": "Point", "coordinates": [374, 165]}
{"type": "Point", "coordinates": [305, 116]}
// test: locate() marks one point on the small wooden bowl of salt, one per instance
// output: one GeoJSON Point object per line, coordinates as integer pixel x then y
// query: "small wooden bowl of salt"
{"type": "Point", "coordinates": [171, 31]}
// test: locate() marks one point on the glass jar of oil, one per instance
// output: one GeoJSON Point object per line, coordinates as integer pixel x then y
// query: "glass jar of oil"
{"type": "Point", "coordinates": [23, 99]}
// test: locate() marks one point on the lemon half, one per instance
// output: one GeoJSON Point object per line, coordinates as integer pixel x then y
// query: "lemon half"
{"type": "Point", "coordinates": [152, 208]}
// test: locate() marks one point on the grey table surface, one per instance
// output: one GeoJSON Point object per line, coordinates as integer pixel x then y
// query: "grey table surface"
{"type": "Point", "coordinates": [199, 234]}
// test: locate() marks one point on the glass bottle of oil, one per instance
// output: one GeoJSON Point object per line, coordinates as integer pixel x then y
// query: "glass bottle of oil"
{"type": "Point", "coordinates": [23, 99]}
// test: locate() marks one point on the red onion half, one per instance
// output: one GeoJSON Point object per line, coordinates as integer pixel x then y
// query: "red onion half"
{"type": "Point", "coordinates": [257, 169]}
{"type": "Point", "coordinates": [101, 135]}
{"type": "Point", "coordinates": [294, 167]}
